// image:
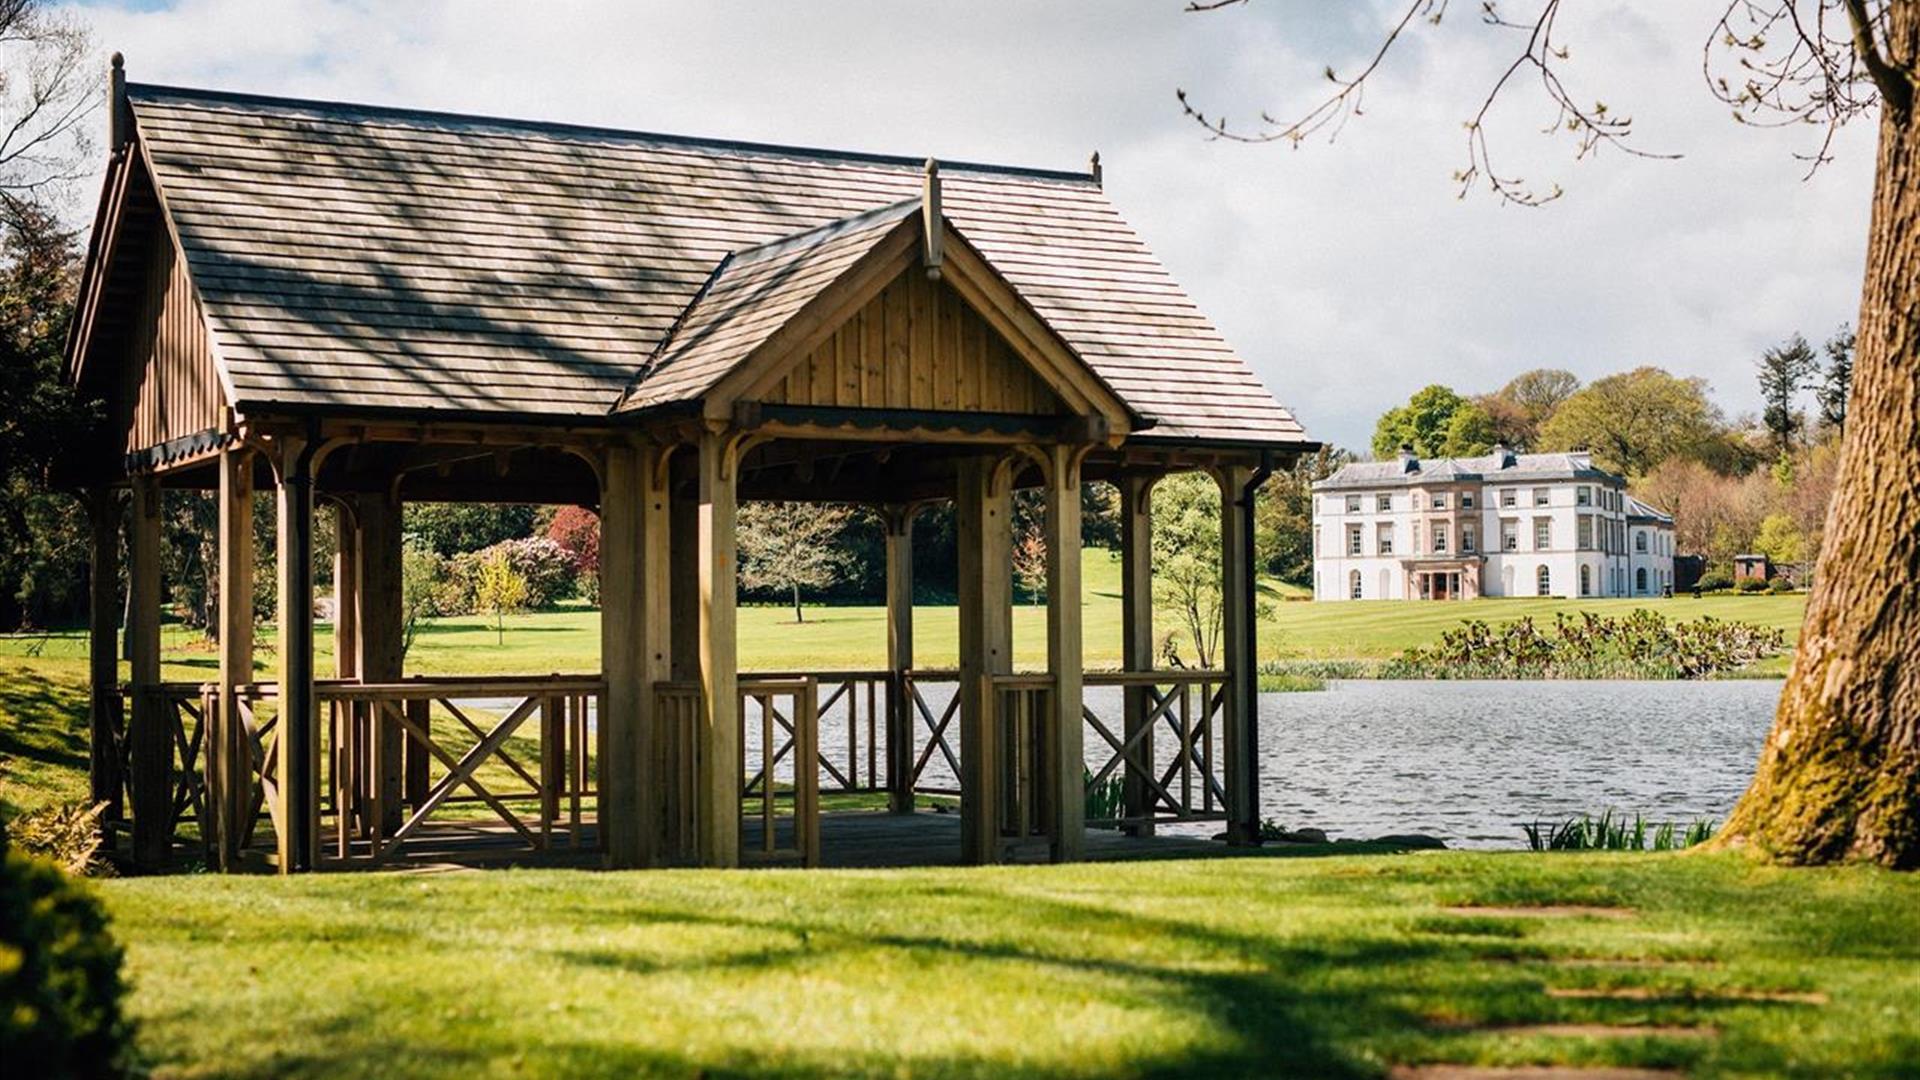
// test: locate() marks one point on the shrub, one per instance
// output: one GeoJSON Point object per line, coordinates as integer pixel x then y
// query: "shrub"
{"type": "Point", "coordinates": [60, 983]}
{"type": "Point", "coordinates": [549, 571]}
{"type": "Point", "coordinates": [1752, 585]}
{"type": "Point", "coordinates": [65, 834]}
{"type": "Point", "coordinates": [1638, 645]}
{"type": "Point", "coordinates": [1714, 582]}
{"type": "Point", "coordinates": [1780, 585]}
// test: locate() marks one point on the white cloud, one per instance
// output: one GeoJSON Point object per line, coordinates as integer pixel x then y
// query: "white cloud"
{"type": "Point", "coordinates": [1349, 274]}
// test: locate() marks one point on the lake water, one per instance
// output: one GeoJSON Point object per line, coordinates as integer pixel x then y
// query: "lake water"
{"type": "Point", "coordinates": [1469, 761]}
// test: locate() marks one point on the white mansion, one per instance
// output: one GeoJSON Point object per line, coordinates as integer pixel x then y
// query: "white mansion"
{"type": "Point", "coordinates": [1505, 524]}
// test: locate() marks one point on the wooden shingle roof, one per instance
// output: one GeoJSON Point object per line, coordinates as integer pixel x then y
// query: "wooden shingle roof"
{"type": "Point", "coordinates": [361, 257]}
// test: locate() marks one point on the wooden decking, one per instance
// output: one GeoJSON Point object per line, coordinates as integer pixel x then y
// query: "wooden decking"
{"type": "Point", "coordinates": [850, 839]}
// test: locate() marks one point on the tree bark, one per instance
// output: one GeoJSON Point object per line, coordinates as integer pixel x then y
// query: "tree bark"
{"type": "Point", "coordinates": [1839, 777]}
{"type": "Point", "coordinates": [797, 615]}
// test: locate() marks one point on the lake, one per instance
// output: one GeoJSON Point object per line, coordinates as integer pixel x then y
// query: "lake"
{"type": "Point", "coordinates": [1469, 761]}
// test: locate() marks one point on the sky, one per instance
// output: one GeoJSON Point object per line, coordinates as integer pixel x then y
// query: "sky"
{"type": "Point", "coordinates": [1349, 272]}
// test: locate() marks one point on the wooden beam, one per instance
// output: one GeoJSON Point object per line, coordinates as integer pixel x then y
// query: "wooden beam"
{"type": "Point", "coordinates": [718, 779]}
{"type": "Point", "coordinates": [1240, 757]}
{"type": "Point", "coordinates": [683, 510]}
{"type": "Point", "coordinates": [983, 512]}
{"type": "Point", "coordinates": [106, 785]}
{"type": "Point", "coordinates": [149, 738]}
{"type": "Point", "coordinates": [899, 519]}
{"type": "Point", "coordinates": [1136, 634]}
{"type": "Point", "coordinates": [229, 751]}
{"type": "Point", "coordinates": [1066, 757]}
{"type": "Point", "coordinates": [346, 591]}
{"type": "Point", "coordinates": [299, 739]}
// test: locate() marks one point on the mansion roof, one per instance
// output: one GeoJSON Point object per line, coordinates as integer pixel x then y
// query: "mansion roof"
{"type": "Point", "coordinates": [1494, 468]}
{"type": "Point", "coordinates": [350, 257]}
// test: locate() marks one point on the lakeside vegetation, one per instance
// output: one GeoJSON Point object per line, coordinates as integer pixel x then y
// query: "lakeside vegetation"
{"type": "Point", "coordinates": [1639, 645]}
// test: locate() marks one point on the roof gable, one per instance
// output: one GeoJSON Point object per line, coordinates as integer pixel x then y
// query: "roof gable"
{"type": "Point", "coordinates": [360, 258]}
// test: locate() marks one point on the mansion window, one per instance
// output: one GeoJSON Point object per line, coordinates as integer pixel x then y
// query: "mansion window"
{"type": "Point", "coordinates": [1353, 540]}
{"type": "Point", "coordinates": [1466, 500]}
{"type": "Point", "coordinates": [1506, 498]}
{"type": "Point", "coordinates": [1542, 533]}
{"type": "Point", "coordinates": [1509, 535]}
{"type": "Point", "coordinates": [1541, 497]}
{"type": "Point", "coordinates": [1440, 538]}
{"type": "Point", "coordinates": [1585, 532]}
{"type": "Point", "coordinates": [1640, 580]}
{"type": "Point", "coordinates": [1383, 503]}
{"type": "Point", "coordinates": [1467, 543]}
{"type": "Point", "coordinates": [1383, 543]}
{"type": "Point", "coordinates": [1543, 582]}
{"type": "Point", "coordinates": [1353, 504]}
{"type": "Point", "coordinates": [1353, 584]}
{"type": "Point", "coordinates": [1640, 541]}
{"type": "Point", "coordinates": [1586, 580]}
{"type": "Point", "coordinates": [1583, 496]}
{"type": "Point", "coordinates": [1439, 500]}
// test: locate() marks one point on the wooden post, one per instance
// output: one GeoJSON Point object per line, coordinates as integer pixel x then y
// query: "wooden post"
{"type": "Point", "coordinates": [620, 630]}
{"type": "Point", "coordinates": [103, 653]}
{"type": "Point", "coordinates": [299, 740]}
{"type": "Point", "coordinates": [230, 751]}
{"type": "Point", "coordinates": [380, 621]}
{"type": "Point", "coordinates": [654, 642]}
{"type": "Point", "coordinates": [1136, 641]}
{"type": "Point", "coordinates": [346, 590]}
{"type": "Point", "coordinates": [1066, 754]}
{"type": "Point", "coordinates": [900, 725]}
{"type": "Point", "coordinates": [149, 740]}
{"type": "Point", "coordinates": [983, 514]}
{"type": "Point", "coordinates": [1241, 768]}
{"type": "Point", "coordinates": [684, 529]}
{"type": "Point", "coordinates": [718, 780]}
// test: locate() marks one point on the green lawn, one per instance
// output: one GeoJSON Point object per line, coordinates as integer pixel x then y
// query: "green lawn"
{"type": "Point", "coordinates": [1325, 967]}
{"type": "Point", "coordinates": [855, 637]}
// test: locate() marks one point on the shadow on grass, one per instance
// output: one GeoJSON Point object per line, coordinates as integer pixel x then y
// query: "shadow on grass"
{"type": "Point", "coordinates": [43, 738]}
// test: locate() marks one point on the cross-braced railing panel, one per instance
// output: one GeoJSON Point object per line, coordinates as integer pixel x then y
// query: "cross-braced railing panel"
{"type": "Point", "coordinates": [1173, 779]}
{"type": "Point", "coordinates": [180, 709]}
{"type": "Point", "coordinates": [778, 724]}
{"type": "Point", "coordinates": [937, 730]}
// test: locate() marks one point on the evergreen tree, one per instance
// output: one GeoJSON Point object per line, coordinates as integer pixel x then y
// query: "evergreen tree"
{"type": "Point", "coordinates": [1784, 371]}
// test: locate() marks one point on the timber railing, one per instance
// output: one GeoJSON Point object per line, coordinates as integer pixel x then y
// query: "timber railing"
{"type": "Point", "coordinates": [1023, 710]}
{"type": "Point", "coordinates": [1164, 784]}
{"type": "Point", "coordinates": [779, 723]}
{"type": "Point", "coordinates": [940, 729]}
{"type": "Point", "coordinates": [392, 756]}
{"type": "Point", "coordinates": [181, 709]}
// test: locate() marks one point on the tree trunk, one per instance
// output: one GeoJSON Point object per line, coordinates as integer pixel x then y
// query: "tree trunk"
{"type": "Point", "coordinates": [797, 616]}
{"type": "Point", "coordinates": [1839, 777]}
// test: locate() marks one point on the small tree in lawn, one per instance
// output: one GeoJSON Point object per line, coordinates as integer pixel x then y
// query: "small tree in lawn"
{"type": "Point", "coordinates": [500, 589]}
{"type": "Point", "coordinates": [1186, 560]}
{"type": "Point", "coordinates": [790, 546]}
{"type": "Point", "coordinates": [1030, 558]}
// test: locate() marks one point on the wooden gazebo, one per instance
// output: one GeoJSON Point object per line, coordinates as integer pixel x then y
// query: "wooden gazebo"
{"type": "Point", "coordinates": [364, 306]}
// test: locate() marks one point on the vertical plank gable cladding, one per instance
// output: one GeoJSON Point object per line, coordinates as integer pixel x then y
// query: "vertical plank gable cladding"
{"type": "Point", "coordinates": [169, 374]}
{"type": "Point", "coordinates": [916, 346]}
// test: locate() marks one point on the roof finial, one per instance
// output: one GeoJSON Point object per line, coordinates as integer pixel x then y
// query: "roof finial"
{"type": "Point", "coordinates": [119, 117]}
{"type": "Point", "coordinates": [934, 248]}
{"type": "Point", "coordinates": [1093, 167]}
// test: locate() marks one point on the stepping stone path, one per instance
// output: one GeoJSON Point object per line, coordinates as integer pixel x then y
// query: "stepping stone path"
{"type": "Point", "coordinates": [1594, 1031]}
{"type": "Point", "coordinates": [1525, 1073]}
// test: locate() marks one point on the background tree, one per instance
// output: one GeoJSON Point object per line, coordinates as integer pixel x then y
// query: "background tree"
{"type": "Point", "coordinates": [1283, 516]}
{"type": "Point", "coordinates": [790, 547]}
{"type": "Point", "coordinates": [1634, 420]}
{"type": "Point", "coordinates": [1784, 370]}
{"type": "Point", "coordinates": [1533, 396]}
{"type": "Point", "coordinates": [1030, 558]}
{"type": "Point", "coordinates": [1436, 422]}
{"type": "Point", "coordinates": [1186, 561]}
{"type": "Point", "coordinates": [1840, 775]}
{"type": "Point", "coordinates": [1837, 381]}
{"type": "Point", "coordinates": [500, 590]}
{"type": "Point", "coordinates": [456, 528]}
